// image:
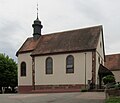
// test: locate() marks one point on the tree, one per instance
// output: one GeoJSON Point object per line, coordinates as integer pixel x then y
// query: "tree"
{"type": "Point", "coordinates": [8, 72]}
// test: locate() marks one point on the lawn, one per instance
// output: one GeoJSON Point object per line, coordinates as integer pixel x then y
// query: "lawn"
{"type": "Point", "coordinates": [113, 100]}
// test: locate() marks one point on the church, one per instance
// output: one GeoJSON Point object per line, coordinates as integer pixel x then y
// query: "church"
{"type": "Point", "coordinates": [60, 62]}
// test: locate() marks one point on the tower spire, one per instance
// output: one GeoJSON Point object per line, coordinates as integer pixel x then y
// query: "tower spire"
{"type": "Point", "coordinates": [37, 26]}
{"type": "Point", "coordinates": [37, 10]}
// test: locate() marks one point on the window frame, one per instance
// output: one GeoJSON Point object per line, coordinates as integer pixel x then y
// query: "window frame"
{"type": "Point", "coordinates": [23, 70]}
{"type": "Point", "coordinates": [69, 63]}
{"type": "Point", "coordinates": [49, 67]}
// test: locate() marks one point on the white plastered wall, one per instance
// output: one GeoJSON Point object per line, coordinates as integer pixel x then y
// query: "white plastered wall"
{"type": "Point", "coordinates": [99, 54]}
{"type": "Point", "coordinates": [116, 75]}
{"type": "Point", "coordinates": [25, 80]}
{"type": "Point", "coordinates": [59, 75]}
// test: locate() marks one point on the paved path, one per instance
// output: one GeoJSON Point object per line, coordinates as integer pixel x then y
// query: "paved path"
{"type": "Point", "coordinates": [86, 97]}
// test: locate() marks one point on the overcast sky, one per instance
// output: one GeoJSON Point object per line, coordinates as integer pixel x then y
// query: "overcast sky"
{"type": "Point", "coordinates": [17, 16]}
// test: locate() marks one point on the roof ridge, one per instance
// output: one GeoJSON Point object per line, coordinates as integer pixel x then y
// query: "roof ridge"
{"type": "Point", "coordinates": [112, 54]}
{"type": "Point", "coordinates": [61, 32]}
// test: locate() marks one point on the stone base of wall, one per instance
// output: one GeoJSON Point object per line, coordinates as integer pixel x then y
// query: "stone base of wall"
{"type": "Point", "coordinates": [58, 88]}
{"type": "Point", "coordinates": [25, 89]}
{"type": "Point", "coordinates": [51, 88]}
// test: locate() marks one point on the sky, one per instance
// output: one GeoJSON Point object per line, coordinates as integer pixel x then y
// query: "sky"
{"type": "Point", "coordinates": [17, 16]}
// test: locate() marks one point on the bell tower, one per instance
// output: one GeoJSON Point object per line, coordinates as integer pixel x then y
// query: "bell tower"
{"type": "Point", "coordinates": [37, 26]}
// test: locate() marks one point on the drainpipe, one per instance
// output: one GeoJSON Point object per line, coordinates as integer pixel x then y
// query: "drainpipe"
{"type": "Point", "coordinates": [85, 70]}
{"type": "Point", "coordinates": [33, 72]}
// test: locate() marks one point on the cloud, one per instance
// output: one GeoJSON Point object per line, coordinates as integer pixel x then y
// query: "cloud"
{"type": "Point", "coordinates": [10, 36]}
{"type": "Point", "coordinates": [17, 16]}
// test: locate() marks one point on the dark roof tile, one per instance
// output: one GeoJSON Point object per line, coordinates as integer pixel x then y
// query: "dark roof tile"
{"type": "Point", "coordinates": [113, 62]}
{"type": "Point", "coordinates": [68, 41]}
{"type": "Point", "coordinates": [29, 45]}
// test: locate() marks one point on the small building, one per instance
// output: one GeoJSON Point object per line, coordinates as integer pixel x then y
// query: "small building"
{"type": "Point", "coordinates": [60, 62]}
{"type": "Point", "coordinates": [113, 64]}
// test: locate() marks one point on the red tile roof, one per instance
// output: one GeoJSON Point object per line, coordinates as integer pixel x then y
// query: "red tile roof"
{"type": "Point", "coordinates": [69, 41]}
{"type": "Point", "coordinates": [29, 45]}
{"type": "Point", "coordinates": [113, 62]}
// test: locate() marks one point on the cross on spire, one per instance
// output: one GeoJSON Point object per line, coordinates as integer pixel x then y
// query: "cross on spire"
{"type": "Point", "coordinates": [37, 10]}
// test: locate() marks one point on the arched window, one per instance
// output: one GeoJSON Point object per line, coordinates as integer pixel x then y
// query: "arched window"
{"type": "Point", "coordinates": [23, 69]}
{"type": "Point", "coordinates": [70, 64]}
{"type": "Point", "coordinates": [49, 65]}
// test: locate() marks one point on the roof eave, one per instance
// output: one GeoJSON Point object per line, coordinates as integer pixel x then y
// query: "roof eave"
{"type": "Point", "coordinates": [64, 52]}
{"type": "Point", "coordinates": [21, 52]}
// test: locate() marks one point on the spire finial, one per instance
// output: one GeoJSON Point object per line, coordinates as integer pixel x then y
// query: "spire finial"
{"type": "Point", "coordinates": [37, 10]}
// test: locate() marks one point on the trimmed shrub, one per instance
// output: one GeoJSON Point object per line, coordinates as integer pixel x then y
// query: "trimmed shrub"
{"type": "Point", "coordinates": [109, 79]}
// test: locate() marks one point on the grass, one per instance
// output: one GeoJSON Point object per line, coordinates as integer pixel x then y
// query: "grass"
{"type": "Point", "coordinates": [113, 100]}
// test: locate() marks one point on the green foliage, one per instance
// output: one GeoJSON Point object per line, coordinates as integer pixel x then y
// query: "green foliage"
{"type": "Point", "coordinates": [108, 79]}
{"type": "Point", "coordinates": [8, 71]}
{"type": "Point", "coordinates": [113, 100]}
{"type": "Point", "coordinates": [117, 86]}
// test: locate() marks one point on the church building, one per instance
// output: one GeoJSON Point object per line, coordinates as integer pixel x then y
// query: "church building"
{"type": "Point", "coordinates": [60, 62]}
